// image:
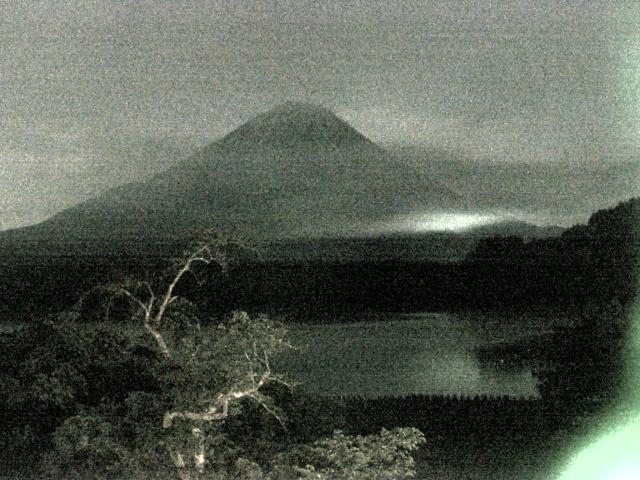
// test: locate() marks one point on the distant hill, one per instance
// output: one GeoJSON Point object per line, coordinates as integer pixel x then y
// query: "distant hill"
{"type": "Point", "coordinates": [611, 239]}
{"type": "Point", "coordinates": [405, 247]}
{"type": "Point", "coordinates": [524, 230]}
{"type": "Point", "coordinates": [295, 171]}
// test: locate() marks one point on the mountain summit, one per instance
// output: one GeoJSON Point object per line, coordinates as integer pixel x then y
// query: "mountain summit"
{"type": "Point", "coordinates": [295, 171]}
{"type": "Point", "coordinates": [294, 123]}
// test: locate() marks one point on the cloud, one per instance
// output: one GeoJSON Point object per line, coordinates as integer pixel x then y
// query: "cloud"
{"type": "Point", "coordinates": [437, 222]}
{"type": "Point", "coordinates": [63, 172]}
{"type": "Point", "coordinates": [514, 81]}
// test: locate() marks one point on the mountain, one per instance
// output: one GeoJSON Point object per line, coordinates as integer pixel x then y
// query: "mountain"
{"type": "Point", "coordinates": [295, 171]}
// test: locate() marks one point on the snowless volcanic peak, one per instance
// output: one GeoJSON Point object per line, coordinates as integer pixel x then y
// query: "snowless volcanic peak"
{"type": "Point", "coordinates": [297, 170]}
{"type": "Point", "coordinates": [294, 123]}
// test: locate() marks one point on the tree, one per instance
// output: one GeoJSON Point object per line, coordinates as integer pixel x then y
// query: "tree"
{"type": "Point", "coordinates": [181, 396]}
{"type": "Point", "coordinates": [351, 457]}
{"type": "Point", "coordinates": [206, 371]}
{"type": "Point", "coordinates": [55, 370]}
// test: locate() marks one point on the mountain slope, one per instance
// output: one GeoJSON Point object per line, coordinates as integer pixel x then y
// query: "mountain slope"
{"type": "Point", "coordinates": [297, 170]}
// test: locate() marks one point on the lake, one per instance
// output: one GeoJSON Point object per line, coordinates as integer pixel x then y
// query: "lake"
{"type": "Point", "coordinates": [395, 354]}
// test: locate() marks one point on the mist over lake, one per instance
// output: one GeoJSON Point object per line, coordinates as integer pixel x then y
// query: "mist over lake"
{"type": "Point", "coordinates": [395, 354]}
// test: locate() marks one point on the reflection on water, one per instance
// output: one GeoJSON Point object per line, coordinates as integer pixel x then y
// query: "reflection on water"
{"type": "Point", "coordinates": [403, 354]}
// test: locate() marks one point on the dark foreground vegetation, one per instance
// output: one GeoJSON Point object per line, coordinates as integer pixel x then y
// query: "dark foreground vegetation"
{"type": "Point", "coordinates": [87, 401]}
{"type": "Point", "coordinates": [105, 382]}
{"type": "Point", "coordinates": [179, 395]}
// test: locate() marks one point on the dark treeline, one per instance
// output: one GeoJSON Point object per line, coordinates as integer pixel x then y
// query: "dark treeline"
{"type": "Point", "coordinates": [57, 284]}
{"type": "Point", "coordinates": [483, 431]}
{"type": "Point", "coordinates": [442, 416]}
{"type": "Point", "coordinates": [588, 264]}
{"type": "Point", "coordinates": [598, 260]}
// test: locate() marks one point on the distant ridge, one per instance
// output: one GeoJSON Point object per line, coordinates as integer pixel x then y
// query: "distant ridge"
{"type": "Point", "coordinates": [513, 228]}
{"type": "Point", "coordinates": [295, 171]}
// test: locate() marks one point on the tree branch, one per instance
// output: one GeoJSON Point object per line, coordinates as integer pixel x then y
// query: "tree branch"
{"type": "Point", "coordinates": [152, 320]}
{"type": "Point", "coordinates": [269, 410]}
{"type": "Point", "coordinates": [199, 455]}
{"type": "Point", "coordinates": [178, 461]}
{"type": "Point", "coordinates": [162, 345]}
{"type": "Point", "coordinates": [220, 409]}
{"type": "Point", "coordinates": [144, 307]}
{"type": "Point", "coordinates": [197, 256]}
{"type": "Point", "coordinates": [147, 309]}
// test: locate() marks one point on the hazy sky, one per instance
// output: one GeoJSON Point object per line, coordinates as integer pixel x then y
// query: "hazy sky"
{"type": "Point", "coordinates": [98, 93]}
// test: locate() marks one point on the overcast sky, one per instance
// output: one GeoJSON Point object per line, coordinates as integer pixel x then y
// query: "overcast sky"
{"type": "Point", "coordinates": [97, 93]}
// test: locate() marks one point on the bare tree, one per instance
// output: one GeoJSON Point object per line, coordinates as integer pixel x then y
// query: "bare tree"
{"type": "Point", "coordinates": [208, 249]}
{"type": "Point", "coordinates": [214, 367]}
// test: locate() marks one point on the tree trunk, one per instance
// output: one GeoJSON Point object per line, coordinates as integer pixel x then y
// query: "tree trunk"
{"type": "Point", "coordinates": [181, 467]}
{"type": "Point", "coordinates": [162, 345]}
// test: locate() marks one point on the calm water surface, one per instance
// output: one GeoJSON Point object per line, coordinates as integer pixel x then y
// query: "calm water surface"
{"type": "Point", "coordinates": [395, 354]}
{"type": "Point", "coordinates": [399, 354]}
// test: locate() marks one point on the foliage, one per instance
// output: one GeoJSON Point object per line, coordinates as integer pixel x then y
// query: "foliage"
{"type": "Point", "coordinates": [101, 303]}
{"type": "Point", "coordinates": [206, 361]}
{"type": "Point", "coordinates": [586, 361]}
{"type": "Point", "coordinates": [58, 368]}
{"type": "Point", "coordinates": [88, 445]}
{"type": "Point", "coordinates": [348, 457]}
{"type": "Point", "coordinates": [184, 398]}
